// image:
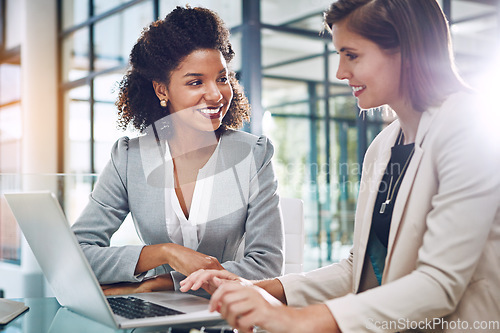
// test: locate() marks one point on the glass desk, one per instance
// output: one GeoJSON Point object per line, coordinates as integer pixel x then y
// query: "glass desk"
{"type": "Point", "coordinates": [46, 315]}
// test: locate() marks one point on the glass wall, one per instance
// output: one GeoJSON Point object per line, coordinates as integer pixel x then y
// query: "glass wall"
{"type": "Point", "coordinates": [312, 118]}
{"type": "Point", "coordinates": [10, 123]}
{"type": "Point", "coordinates": [96, 39]}
{"type": "Point", "coordinates": [313, 121]}
{"type": "Point", "coordinates": [319, 134]}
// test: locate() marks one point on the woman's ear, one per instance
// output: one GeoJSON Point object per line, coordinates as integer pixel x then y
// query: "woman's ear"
{"type": "Point", "coordinates": [160, 90]}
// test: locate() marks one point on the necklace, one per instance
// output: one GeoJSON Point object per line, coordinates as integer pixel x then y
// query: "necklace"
{"type": "Point", "coordinates": [392, 188]}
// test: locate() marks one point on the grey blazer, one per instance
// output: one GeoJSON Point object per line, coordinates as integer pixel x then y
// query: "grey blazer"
{"type": "Point", "coordinates": [244, 201]}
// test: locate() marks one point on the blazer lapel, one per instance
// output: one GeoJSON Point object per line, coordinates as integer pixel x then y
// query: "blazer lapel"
{"type": "Point", "coordinates": [401, 200]}
{"type": "Point", "coordinates": [407, 184]}
{"type": "Point", "coordinates": [372, 176]}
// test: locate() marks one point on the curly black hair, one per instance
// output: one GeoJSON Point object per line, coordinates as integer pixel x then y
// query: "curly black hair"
{"type": "Point", "coordinates": [159, 50]}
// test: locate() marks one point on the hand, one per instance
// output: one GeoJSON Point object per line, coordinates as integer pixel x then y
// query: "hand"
{"type": "Point", "coordinates": [210, 280]}
{"type": "Point", "coordinates": [158, 283]}
{"type": "Point", "coordinates": [186, 261]}
{"type": "Point", "coordinates": [180, 258]}
{"type": "Point", "coordinates": [245, 307]}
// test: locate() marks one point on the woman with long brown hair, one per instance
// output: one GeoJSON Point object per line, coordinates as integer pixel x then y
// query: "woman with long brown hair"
{"type": "Point", "coordinates": [427, 228]}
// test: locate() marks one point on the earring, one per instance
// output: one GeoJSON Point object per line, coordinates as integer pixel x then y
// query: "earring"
{"type": "Point", "coordinates": [163, 103]}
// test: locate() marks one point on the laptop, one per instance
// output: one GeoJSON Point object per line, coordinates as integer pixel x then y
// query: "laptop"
{"type": "Point", "coordinates": [75, 285]}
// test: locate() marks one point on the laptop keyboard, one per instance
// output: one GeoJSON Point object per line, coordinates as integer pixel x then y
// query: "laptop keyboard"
{"type": "Point", "coordinates": [135, 308]}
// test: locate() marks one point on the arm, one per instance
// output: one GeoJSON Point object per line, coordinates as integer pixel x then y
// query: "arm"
{"type": "Point", "coordinates": [107, 208]}
{"type": "Point", "coordinates": [244, 307]}
{"type": "Point", "coordinates": [157, 283]}
{"type": "Point", "coordinates": [103, 215]}
{"type": "Point", "coordinates": [293, 289]}
{"type": "Point", "coordinates": [274, 288]}
{"type": "Point", "coordinates": [180, 258]}
{"type": "Point", "coordinates": [245, 304]}
{"type": "Point", "coordinates": [177, 256]}
{"type": "Point", "coordinates": [319, 285]}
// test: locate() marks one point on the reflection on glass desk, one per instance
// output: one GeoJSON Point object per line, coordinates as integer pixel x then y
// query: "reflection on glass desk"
{"type": "Point", "coordinates": [45, 315]}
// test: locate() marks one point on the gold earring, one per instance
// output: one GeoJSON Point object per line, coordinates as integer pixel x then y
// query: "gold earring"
{"type": "Point", "coordinates": [163, 103]}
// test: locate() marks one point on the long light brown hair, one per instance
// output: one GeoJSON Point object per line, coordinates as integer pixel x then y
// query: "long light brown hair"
{"type": "Point", "coordinates": [419, 30]}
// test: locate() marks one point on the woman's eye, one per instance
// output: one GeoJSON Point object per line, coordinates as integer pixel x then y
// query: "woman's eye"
{"type": "Point", "coordinates": [194, 83]}
{"type": "Point", "coordinates": [223, 79]}
{"type": "Point", "coordinates": [351, 56]}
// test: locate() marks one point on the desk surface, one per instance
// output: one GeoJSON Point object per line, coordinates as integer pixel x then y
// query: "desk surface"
{"type": "Point", "coordinates": [46, 315]}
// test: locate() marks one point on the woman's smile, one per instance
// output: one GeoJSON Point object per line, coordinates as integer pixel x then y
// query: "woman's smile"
{"type": "Point", "coordinates": [357, 90]}
{"type": "Point", "coordinates": [210, 112]}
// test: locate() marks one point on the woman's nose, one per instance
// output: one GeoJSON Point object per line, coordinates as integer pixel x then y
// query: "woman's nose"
{"type": "Point", "coordinates": [213, 93]}
{"type": "Point", "coordinates": [342, 72]}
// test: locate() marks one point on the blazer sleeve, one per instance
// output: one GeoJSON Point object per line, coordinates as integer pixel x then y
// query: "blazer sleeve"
{"type": "Point", "coordinates": [264, 232]}
{"type": "Point", "coordinates": [319, 285]}
{"type": "Point", "coordinates": [465, 161]}
{"type": "Point", "coordinates": [103, 215]}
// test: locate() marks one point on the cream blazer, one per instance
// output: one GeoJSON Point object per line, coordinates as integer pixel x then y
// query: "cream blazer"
{"type": "Point", "coordinates": [442, 271]}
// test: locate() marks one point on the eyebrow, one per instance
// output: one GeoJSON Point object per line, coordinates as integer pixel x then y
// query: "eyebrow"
{"type": "Point", "coordinates": [344, 49]}
{"type": "Point", "coordinates": [224, 70]}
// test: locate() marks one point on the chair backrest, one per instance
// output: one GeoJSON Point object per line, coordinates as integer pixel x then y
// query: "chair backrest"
{"type": "Point", "coordinates": [292, 211]}
{"type": "Point", "coordinates": [293, 219]}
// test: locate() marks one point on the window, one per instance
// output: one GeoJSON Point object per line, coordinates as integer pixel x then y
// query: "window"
{"type": "Point", "coordinates": [10, 126]}
{"type": "Point", "coordinates": [311, 117]}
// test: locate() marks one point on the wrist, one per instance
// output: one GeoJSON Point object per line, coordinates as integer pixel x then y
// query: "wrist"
{"type": "Point", "coordinates": [166, 252]}
{"type": "Point", "coordinates": [322, 319]}
{"type": "Point", "coordinates": [273, 287]}
{"type": "Point", "coordinates": [161, 282]}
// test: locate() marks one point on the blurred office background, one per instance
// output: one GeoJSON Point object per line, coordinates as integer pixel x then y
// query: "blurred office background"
{"type": "Point", "coordinates": [60, 61]}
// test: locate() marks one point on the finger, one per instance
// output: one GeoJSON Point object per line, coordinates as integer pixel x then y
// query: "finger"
{"type": "Point", "coordinates": [199, 284]}
{"type": "Point", "coordinates": [216, 299]}
{"type": "Point", "coordinates": [227, 293]}
{"type": "Point", "coordinates": [238, 311]}
{"type": "Point", "coordinates": [195, 280]}
{"type": "Point", "coordinates": [240, 302]}
{"type": "Point", "coordinates": [190, 285]}
{"type": "Point", "coordinates": [201, 277]}
{"type": "Point", "coordinates": [204, 279]}
{"type": "Point", "coordinates": [246, 323]}
{"type": "Point", "coordinates": [217, 282]}
{"type": "Point", "coordinates": [192, 277]}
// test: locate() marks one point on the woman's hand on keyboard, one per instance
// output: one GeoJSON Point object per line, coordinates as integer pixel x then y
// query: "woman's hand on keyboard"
{"type": "Point", "coordinates": [210, 280]}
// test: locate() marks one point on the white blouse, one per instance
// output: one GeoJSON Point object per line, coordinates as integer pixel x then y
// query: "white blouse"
{"type": "Point", "coordinates": [182, 231]}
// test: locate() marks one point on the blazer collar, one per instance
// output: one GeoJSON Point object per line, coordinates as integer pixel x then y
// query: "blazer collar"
{"type": "Point", "coordinates": [424, 125]}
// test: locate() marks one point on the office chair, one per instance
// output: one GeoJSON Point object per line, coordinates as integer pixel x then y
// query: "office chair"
{"type": "Point", "coordinates": [293, 219]}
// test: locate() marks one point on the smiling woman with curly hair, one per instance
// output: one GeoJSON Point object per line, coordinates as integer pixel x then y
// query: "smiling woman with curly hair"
{"type": "Point", "coordinates": [193, 184]}
{"type": "Point", "coordinates": [160, 50]}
